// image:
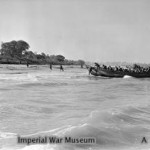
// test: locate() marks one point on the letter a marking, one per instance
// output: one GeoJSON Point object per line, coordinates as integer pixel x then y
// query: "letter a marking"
{"type": "Point", "coordinates": [144, 140]}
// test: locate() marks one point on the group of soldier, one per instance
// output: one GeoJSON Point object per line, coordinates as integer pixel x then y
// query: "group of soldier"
{"type": "Point", "coordinates": [61, 67]}
{"type": "Point", "coordinates": [132, 69]}
{"type": "Point", "coordinates": [50, 66]}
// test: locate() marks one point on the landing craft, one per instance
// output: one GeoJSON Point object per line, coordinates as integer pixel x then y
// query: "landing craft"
{"type": "Point", "coordinates": [117, 73]}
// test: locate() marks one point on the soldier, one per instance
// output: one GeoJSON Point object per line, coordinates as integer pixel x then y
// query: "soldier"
{"type": "Point", "coordinates": [61, 68]}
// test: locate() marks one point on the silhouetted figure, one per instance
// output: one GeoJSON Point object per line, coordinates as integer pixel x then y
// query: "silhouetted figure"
{"type": "Point", "coordinates": [50, 66]}
{"type": "Point", "coordinates": [61, 68]}
{"type": "Point", "coordinates": [90, 70]}
{"type": "Point", "coordinates": [97, 65]}
{"type": "Point", "coordinates": [27, 64]}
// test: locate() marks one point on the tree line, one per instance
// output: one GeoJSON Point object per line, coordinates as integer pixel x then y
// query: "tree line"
{"type": "Point", "coordinates": [17, 52]}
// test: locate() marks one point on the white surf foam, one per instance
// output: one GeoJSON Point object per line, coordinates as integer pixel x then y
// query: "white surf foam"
{"type": "Point", "coordinates": [4, 135]}
{"type": "Point", "coordinates": [126, 77]}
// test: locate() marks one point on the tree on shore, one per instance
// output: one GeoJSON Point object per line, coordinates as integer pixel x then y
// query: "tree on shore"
{"type": "Point", "coordinates": [17, 52]}
{"type": "Point", "coordinates": [60, 58]}
{"type": "Point", "coordinates": [81, 62]}
{"type": "Point", "coordinates": [29, 55]}
{"type": "Point", "coordinates": [14, 48]}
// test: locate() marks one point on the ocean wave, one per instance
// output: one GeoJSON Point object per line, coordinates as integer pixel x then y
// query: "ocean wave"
{"type": "Point", "coordinates": [18, 77]}
{"type": "Point", "coordinates": [43, 84]}
{"type": "Point", "coordinates": [4, 135]}
{"type": "Point", "coordinates": [119, 128]}
{"type": "Point", "coordinates": [113, 128]}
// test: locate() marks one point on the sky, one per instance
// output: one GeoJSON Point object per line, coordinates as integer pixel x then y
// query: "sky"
{"type": "Point", "coordinates": [92, 30]}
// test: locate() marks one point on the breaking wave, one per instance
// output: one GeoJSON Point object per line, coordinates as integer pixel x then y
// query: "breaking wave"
{"type": "Point", "coordinates": [119, 128]}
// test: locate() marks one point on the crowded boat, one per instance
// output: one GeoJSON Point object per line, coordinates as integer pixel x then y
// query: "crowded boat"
{"type": "Point", "coordinates": [119, 71]}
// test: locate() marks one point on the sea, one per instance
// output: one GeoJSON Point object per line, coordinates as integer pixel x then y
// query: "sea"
{"type": "Point", "coordinates": [37, 102]}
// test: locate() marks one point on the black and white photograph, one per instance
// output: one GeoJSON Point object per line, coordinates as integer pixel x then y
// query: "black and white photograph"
{"type": "Point", "coordinates": [74, 74]}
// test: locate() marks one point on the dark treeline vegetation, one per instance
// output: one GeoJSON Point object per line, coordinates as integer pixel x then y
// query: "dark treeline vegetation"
{"type": "Point", "coordinates": [17, 52]}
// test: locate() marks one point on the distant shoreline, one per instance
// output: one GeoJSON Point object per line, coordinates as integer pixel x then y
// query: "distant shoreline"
{"type": "Point", "coordinates": [40, 65]}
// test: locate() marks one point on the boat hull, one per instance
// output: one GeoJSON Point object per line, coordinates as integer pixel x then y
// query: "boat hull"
{"type": "Point", "coordinates": [106, 73]}
{"type": "Point", "coordinates": [118, 74]}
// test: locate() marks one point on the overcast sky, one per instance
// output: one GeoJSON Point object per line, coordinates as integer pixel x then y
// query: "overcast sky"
{"type": "Point", "coordinates": [93, 30]}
